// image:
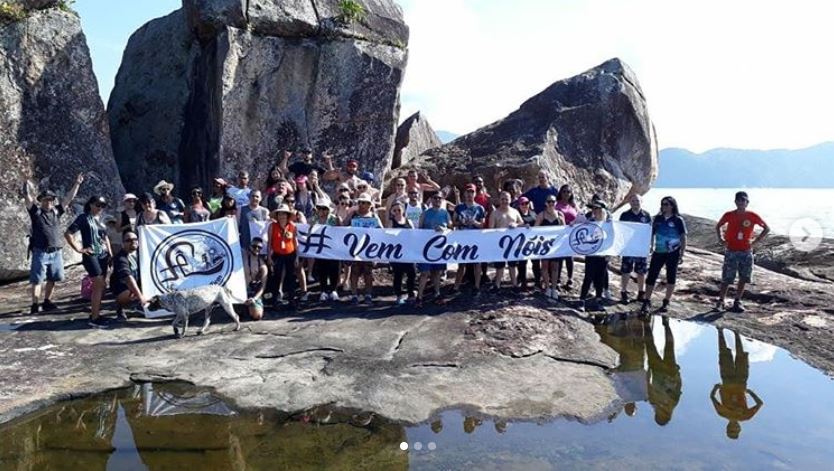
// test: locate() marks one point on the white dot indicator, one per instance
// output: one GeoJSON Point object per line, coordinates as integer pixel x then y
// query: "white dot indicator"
{"type": "Point", "coordinates": [404, 446]}
{"type": "Point", "coordinates": [418, 446]}
{"type": "Point", "coordinates": [432, 446]}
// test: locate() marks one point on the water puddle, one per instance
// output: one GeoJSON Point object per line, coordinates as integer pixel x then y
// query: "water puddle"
{"type": "Point", "coordinates": [694, 396]}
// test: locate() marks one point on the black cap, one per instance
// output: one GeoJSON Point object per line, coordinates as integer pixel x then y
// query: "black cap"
{"type": "Point", "coordinates": [597, 204]}
{"type": "Point", "coordinates": [98, 200]}
{"type": "Point", "coordinates": [47, 194]}
{"type": "Point", "coordinates": [306, 150]}
{"type": "Point", "coordinates": [742, 194]}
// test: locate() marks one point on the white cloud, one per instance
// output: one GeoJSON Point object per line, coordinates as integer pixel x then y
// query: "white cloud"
{"type": "Point", "coordinates": [743, 73]}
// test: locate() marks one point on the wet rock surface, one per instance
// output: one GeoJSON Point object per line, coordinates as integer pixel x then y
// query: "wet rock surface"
{"type": "Point", "coordinates": [592, 130]}
{"type": "Point", "coordinates": [243, 80]}
{"type": "Point", "coordinates": [53, 124]}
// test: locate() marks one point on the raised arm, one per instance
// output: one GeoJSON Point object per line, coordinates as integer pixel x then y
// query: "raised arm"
{"type": "Point", "coordinates": [73, 191]}
{"type": "Point", "coordinates": [330, 173]}
{"type": "Point", "coordinates": [29, 193]}
{"type": "Point", "coordinates": [428, 184]}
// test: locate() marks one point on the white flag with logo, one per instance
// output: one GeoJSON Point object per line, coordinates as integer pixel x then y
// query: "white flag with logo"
{"type": "Point", "coordinates": [176, 257]}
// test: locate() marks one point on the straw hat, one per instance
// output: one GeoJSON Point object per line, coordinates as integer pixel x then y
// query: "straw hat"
{"type": "Point", "coordinates": [163, 184]}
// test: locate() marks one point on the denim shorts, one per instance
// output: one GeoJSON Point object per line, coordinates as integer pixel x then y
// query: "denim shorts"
{"type": "Point", "coordinates": [46, 266]}
{"type": "Point", "coordinates": [737, 262]}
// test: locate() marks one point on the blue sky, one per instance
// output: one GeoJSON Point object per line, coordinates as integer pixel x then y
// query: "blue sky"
{"type": "Point", "coordinates": [745, 73]}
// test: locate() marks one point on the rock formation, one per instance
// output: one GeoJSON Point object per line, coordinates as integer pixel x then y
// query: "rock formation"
{"type": "Point", "coordinates": [414, 136]}
{"type": "Point", "coordinates": [240, 81]}
{"type": "Point", "coordinates": [592, 130]}
{"type": "Point", "coordinates": [52, 125]}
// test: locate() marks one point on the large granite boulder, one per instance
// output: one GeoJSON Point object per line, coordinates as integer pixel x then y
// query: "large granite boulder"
{"type": "Point", "coordinates": [52, 122]}
{"type": "Point", "coordinates": [592, 131]}
{"type": "Point", "coordinates": [242, 80]}
{"type": "Point", "coordinates": [414, 136]}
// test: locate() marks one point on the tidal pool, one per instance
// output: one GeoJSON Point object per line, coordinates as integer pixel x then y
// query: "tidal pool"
{"type": "Point", "coordinates": [693, 397]}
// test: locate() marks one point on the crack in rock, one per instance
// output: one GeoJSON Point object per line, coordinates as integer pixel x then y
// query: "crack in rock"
{"type": "Point", "coordinates": [299, 352]}
{"type": "Point", "coordinates": [435, 365]}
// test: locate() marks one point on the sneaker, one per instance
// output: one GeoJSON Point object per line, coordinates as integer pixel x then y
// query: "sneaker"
{"type": "Point", "coordinates": [606, 294]}
{"type": "Point", "coordinates": [311, 279]}
{"type": "Point", "coordinates": [121, 316]}
{"type": "Point", "coordinates": [664, 306]}
{"type": "Point", "coordinates": [48, 305]}
{"type": "Point", "coordinates": [100, 323]}
{"type": "Point", "coordinates": [369, 299]}
{"type": "Point", "coordinates": [354, 299]}
{"type": "Point", "coordinates": [304, 297]}
{"type": "Point", "coordinates": [323, 297]}
{"type": "Point", "coordinates": [33, 309]}
{"type": "Point", "coordinates": [644, 308]}
{"type": "Point", "coordinates": [737, 307]}
{"type": "Point", "coordinates": [719, 306]}
{"type": "Point", "coordinates": [624, 297]}
{"type": "Point", "coordinates": [400, 301]}
{"type": "Point", "coordinates": [554, 295]}
{"type": "Point", "coordinates": [548, 293]}
{"type": "Point", "coordinates": [334, 296]}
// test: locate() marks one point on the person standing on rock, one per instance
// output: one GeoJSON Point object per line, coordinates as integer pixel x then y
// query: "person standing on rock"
{"type": "Point", "coordinates": [438, 219]}
{"type": "Point", "coordinates": [129, 213]}
{"type": "Point", "coordinates": [283, 245]}
{"type": "Point", "coordinates": [197, 211]}
{"type": "Point", "coordinates": [240, 192]}
{"type": "Point", "coordinates": [250, 213]}
{"type": "Point", "coordinates": [469, 215]}
{"type": "Point", "coordinates": [45, 241]}
{"type": "Point", "coordinates": [596, 267]}
{"type": "Point", "coordinates": [504, 217]}
{"type": "Point", "coordinates": [668, 249]}
{"type": "Point", "coordinates": [349, 175]}
{"type": "Point", "coordinates": [482, 196]}
{"type": "Point", "coordinates": [397, 220]}
{"type": "Point", "coordinates": [420, 182]}
{"type": "Point", "coordinates": [150, 215]}
{"type": "Point", "coordinates": [366, 218]}
{"type": "Point", "coordinates": [539, 193]}
{"type": "Point", "coordinates": [528, 216]}
{"type": "Point", "coordinates": [414, 207]}
{"type": "Point", "coordinates": [566, 204]}
{"type": "Point", "coordinates": [549, 267]}
{"type": "Point", "coordinates": [95, 251]}
{"type": "Point", "coordinates": [400, 195]}
{"type": "Point", "coordinates": [218, 191]}
{"type": "Point", "coordinates": [173, 206]}
{"type": "Point", "coordinates": [739, 244]}
{"type": "Point", "coordinates": [665, 383]}
{"type": "Point", "coordinates": [327, 271]}
{"type": "Point", "coordinates": [638, 265]}
{"type": "Point", "coordinates": [302, 167]}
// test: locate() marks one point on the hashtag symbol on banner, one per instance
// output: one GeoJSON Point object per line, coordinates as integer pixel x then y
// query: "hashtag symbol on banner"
{"type": "Point", "coordinates": [315, 241]}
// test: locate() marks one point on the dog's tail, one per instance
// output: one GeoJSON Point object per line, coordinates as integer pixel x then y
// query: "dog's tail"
{"type": "Point", "coordinates": [227, 293]}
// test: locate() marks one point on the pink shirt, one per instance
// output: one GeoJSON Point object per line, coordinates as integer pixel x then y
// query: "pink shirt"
{"type": "Point", "coordinates": [568, 210]}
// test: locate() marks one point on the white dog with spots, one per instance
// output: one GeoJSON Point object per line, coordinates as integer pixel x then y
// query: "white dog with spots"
{"type": "Point", "coordinates": [187, 302]}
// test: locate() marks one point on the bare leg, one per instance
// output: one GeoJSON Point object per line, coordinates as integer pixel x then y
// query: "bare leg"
{"type": "Point", "coordinates": [740, 290]}
{"type": "Point", "coordinates": [641, 282]}
{"type": "Point", "coordinates": [499, 277]}
{"type": "Point", "coordinates": [35, 291]}
{"type": "Point", "coordinates": [369, 281]}
{"type": "Point", "coordinates": [421, 288]}
{"type": "Point", "coordinates": [47, 293]}
{"type": "Point", "coordinates": [624, 282]}
{"type": "Point", "coordinates": [98, 292]}
{"type": "Point", "coordinates": [669, 290]}
{"type": "Point", "coordinates": [723, 293]}
{"type": "Point", "coordinates": [513, 276]}
{"type": "Point", "coordinates": [476, 270]}
{"type": "Point", "coordinates": [435, 279]}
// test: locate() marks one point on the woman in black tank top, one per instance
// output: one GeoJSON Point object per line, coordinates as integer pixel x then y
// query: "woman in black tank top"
{"type": "Point", "coordinates": [550, 217]}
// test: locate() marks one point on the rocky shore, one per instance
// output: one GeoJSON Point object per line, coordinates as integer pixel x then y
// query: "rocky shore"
{"type": "Point", "coordinates": [507, 356]}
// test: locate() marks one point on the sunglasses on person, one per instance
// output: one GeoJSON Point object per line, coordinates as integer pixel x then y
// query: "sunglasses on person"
{"type": "Point", "coordinates": [400, 185]}
{"type": "Point", "coordinates": [437, 197]}
{"type": "Point", "coordinates": [343, 190]}
{"type": "Point", "coordinates": [257, 247]}
{"type": "Point", "coordinates": [289, 201]}
{"type": "Point", "coordinates": [100, 205]}
{"type": "Point", "coordinates": [362, 187]}
{"type": "Point", "coordinates": [524, 204]}
{"type": "Point", "coordinates": [550, 201]}
{"type": "Point", "coordinates": [196, 193]}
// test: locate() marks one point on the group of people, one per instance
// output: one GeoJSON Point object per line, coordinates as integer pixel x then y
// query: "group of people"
{"type": "Point", "coordinates": [295, 193]}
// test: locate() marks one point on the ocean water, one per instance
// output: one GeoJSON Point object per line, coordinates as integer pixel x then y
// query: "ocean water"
{"type": "Point", "coordinates": [781, 208]}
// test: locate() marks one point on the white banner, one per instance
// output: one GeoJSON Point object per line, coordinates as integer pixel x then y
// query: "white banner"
{"type": "Point", "coordinates": [260, 229]}
{"type": "Point", "coordinates": [175, 257]}
{"type": "Point", "coordinates": [474, 246]}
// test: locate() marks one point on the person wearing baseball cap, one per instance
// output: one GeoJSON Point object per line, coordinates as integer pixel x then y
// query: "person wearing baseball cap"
{"type": "Point", "coordinates": [349, 175]}
{"type": "Point", "coordinates": [218, 191]}
{"type": "Point", "coordinates": [735, 231]}
{"type": "Point", "coordinates": [45, 241]}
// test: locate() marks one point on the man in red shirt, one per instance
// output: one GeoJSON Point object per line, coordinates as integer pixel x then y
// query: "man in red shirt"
{"type": "Point", "coordinates": [739, 244]}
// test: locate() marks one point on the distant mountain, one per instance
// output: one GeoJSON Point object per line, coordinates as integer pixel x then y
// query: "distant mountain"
{"type": "Point", "coordinates": [446, 136]}
{"type": "Point", "coordinates": [737, 168]}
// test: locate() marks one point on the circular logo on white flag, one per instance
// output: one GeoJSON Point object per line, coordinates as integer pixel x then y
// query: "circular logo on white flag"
{"type": "Point", "coordinates": [190, 259]}
{"type": "Point", "coordinates": [586, 238]}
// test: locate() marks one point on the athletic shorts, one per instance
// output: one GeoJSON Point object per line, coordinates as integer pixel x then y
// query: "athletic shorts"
{"type": "Point", "coordinates": [46, 266]}
{"type": "Point", "coordinates": [95, 265]}
{"type": "Point", "coordinates": [737, 262]}
{"type": "Point", "coordinates": [637, 265]}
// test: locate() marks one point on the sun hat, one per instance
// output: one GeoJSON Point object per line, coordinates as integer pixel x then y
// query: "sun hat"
{"type": "Point", "coordinates": [128, 197]}
{"type": "Point", "coordinates": [282, 209]}
{"type": "Point", "coordinates": [47, 194]}
{"type": "Point", "coordinates": [364, 198]}
{"type": "Point", "coordinates": [163, 184]}
{"type": "Point", "coordinates": [323, 202]}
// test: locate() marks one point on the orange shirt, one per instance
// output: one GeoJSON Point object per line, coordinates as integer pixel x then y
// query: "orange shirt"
{"type": "Point", "coordinates": [283, 240]}
{"type": "Point", "coordinates": [740, 229]}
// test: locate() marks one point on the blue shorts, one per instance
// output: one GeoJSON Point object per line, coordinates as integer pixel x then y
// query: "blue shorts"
{"type": "Point", "coordinates": [46, 266]}
{"type": "Point", "coordinates": [427, 267]}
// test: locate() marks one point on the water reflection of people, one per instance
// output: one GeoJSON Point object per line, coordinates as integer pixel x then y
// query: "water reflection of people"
{"type": "Point", "coordinates": [471, 423]}
{"type": "Point", "coordinates": [665, 382]}
{"type": "Point", "coordinates": [733, 388]}
{"type": "Point", "coordinates": [628, 337]}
